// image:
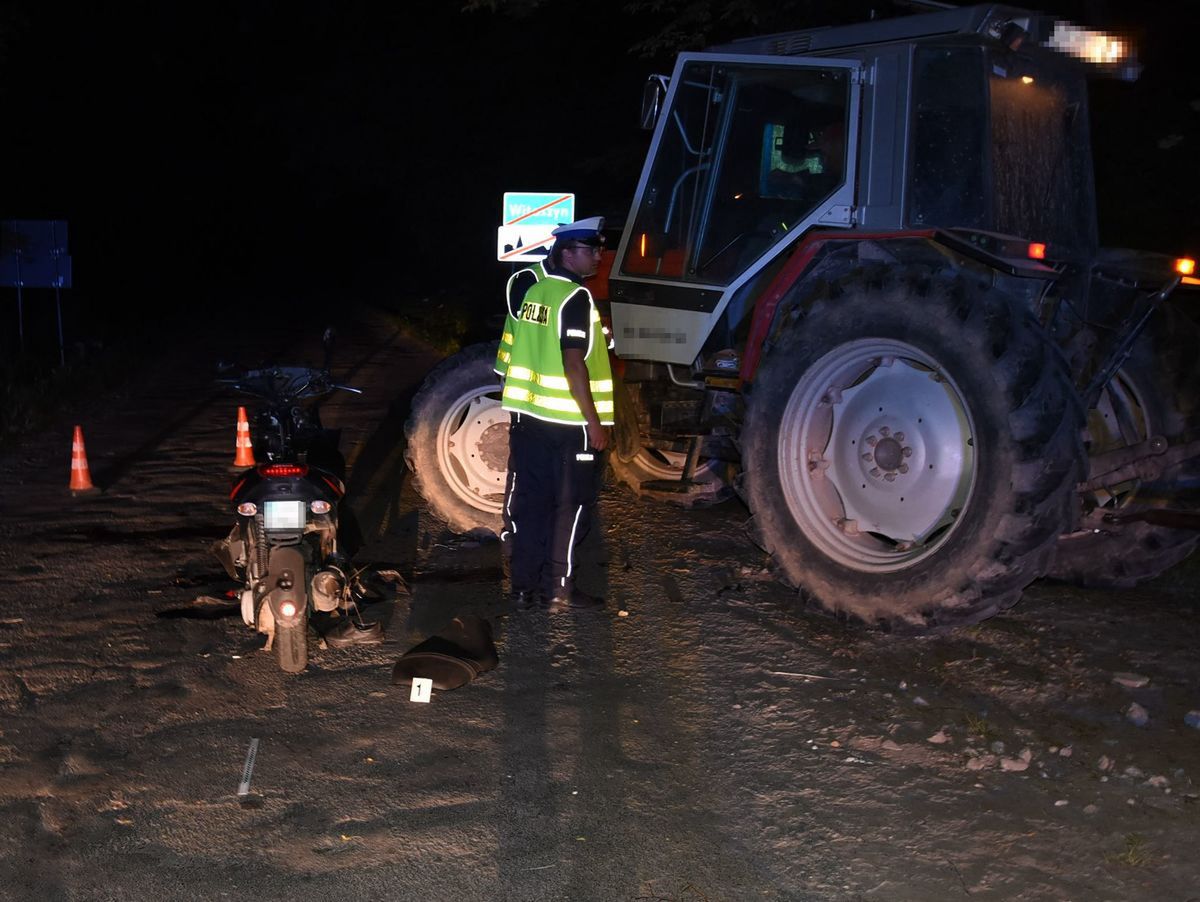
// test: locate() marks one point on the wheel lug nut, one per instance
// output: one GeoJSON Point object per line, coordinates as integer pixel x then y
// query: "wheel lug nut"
{"type": "Point", "coordinates": [903, 468]}
{"type": "Point", "coordinates": [899, 436]}
{"type": "Point", "coordinates": [868, 456]}
{"type": "Point", "coordinates": [885, 431]}
{"type": "Point", "coordinates": [890, 477]}
{"type": "Point", "coordinates": [872, 441]}
{"type": "Point", "coordinates": [875, 471]}
{"type": "Point", "coordinates": [906, 451]}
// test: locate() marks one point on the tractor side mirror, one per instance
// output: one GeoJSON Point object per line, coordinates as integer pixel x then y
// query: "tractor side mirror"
{"type": "Point", "coordinates": [653, 94]}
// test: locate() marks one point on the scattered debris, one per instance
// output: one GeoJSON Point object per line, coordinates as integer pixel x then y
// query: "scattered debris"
{"type": "Point", "coordinates": [807, 676]}
{"type": "Point", "coordinates": [1018, 764]}
{"type": "Point", "coordinates": [1066, 752]}
{"type": "Point", "coordinates": [620, 613]}
{"type": "Point", "coordinates": [248, 769]}
{"type": "Point", "coordinates": [1061, 803]}
{"type": "Point", "coordinates": [1131, 680]}
{"type": "Point", "coordinates": [980, 762]}
{"type": "Point", "coordinates": [1091, 809]}
{"type": "Point", "coordinates": [1105, 763]}
{"type": "Point", "coordinates": [920, 702]}
{"type": "Point", "coordinates": [1137, 715]}
{"type": "Point", "coordinates": [1158, 782]}
{"type": "Point", "coordinates": [939, 738]}
{"type": "Point", "coordinates": [1134, 771]}
{"type": "Point", "coordinates": [395, 579]}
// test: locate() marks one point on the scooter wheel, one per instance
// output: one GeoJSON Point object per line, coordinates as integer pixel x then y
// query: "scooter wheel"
{"type": "Point", "coordinates": [291, 647]}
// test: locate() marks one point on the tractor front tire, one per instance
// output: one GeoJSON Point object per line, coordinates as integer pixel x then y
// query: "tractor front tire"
{"type": "Point", "coordinates": [458, 441]}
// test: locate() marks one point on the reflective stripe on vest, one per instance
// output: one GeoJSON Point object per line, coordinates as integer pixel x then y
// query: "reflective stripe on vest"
{"type": "Point", "coordinates": [558, 383]}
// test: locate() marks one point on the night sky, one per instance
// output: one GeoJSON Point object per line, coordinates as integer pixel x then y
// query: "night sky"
{"type": "Point", "coordinates": [222, 151]}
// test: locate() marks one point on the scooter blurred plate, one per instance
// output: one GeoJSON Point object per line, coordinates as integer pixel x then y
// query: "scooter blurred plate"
{"type": "Point", "coordinates": [283, 515]}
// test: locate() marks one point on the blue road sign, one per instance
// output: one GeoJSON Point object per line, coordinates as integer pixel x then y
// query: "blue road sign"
{"type": "Point", "coordinates": [538, 208]}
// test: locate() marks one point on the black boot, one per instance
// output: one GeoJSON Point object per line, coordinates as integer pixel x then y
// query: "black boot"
{"type": "Point", "coordinates": [568, 598]}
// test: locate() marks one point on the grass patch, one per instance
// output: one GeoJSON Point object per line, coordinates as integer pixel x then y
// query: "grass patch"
{"type": "Point", "coordinates": [1134, 855]}
{"type": "Point", "coordinates": [448, 322]}
{"type": "Point", "coordinates": [33, 391]}
{"type": "Point", "coordinates": [980, 728]}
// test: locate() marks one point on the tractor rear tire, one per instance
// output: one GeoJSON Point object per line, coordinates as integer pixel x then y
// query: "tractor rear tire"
{"type": "Point", "coordinates": [458, 441]}
{"type": "Point", "coordinates": [1156, 392]}
{"type": "Point", "coordinates": [911, 448]}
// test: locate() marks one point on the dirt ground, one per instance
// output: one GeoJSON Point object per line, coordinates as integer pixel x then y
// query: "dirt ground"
{"type": "Point", "coordinates": [716, 743]}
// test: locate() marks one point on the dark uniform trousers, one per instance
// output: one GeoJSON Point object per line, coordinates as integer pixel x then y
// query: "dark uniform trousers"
{"type": "Point", "coordinates": [552, 485]}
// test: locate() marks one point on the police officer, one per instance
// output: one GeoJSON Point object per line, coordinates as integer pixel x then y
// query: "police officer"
{"type": "Point", "coordinates": [558, 389]}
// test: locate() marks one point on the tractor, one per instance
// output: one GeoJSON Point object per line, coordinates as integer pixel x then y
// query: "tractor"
{"type": "Point", "coordinates": [860, 286]}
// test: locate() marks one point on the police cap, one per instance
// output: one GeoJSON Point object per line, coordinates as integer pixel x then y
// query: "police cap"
{"type": "Point", "coordinates": [583, 231]}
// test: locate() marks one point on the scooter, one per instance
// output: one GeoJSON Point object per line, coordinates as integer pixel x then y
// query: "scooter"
{"type": "Point", "coordinates": [283, 548]}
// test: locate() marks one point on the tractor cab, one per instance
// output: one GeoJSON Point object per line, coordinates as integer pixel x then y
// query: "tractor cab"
{"type": "Point", "coordinates": [972, 119]}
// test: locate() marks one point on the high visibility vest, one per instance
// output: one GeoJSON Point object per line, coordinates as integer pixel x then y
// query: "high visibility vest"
{"type": "Point", "coordinates": [536, 381]}
{"type": "Point", "coordinates": [504, 352]}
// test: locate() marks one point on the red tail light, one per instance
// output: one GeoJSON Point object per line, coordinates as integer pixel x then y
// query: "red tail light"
{"type": "Point", "coordinates": [1037, 251]}
{"type": "Point", "coordinates": [274, 471]}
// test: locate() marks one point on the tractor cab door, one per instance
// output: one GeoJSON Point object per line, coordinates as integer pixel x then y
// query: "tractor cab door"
{"type": "Point", "coordinates": [748, 153]}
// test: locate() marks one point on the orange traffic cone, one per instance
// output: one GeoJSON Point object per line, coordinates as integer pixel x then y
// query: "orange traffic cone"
{"type": "Point", "coordinates": [244, 456]}
{"type": "Point", "coordinates": [81, 476]}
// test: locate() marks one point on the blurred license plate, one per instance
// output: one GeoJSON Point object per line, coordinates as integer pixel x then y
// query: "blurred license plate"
{"type": "Point", "coordinates": [284, 515]}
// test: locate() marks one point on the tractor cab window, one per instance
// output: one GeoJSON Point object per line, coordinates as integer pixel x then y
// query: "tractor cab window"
{"type": "Point", "coordinates": [746, 153]}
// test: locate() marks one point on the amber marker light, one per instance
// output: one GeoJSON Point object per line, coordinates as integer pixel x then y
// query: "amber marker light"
{"type": "Point", "coordinates": [642, 245]}
{"type": "Point", "coordinates": [1037, 251]}
{"type": "Point", "coordinates": [1026, 79]}
{"type": "Point", "coordinates": [1185, 266]}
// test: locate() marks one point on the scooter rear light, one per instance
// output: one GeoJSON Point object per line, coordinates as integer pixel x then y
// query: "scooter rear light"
{"type": "Point", "coordinates": [247, 508]}
{"type": "Point", "coordinates": [274, 471]}
{"type": "Point", "coordinates": [320, 507]}
{"type": "Point", "coordinates": [288, 609]}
